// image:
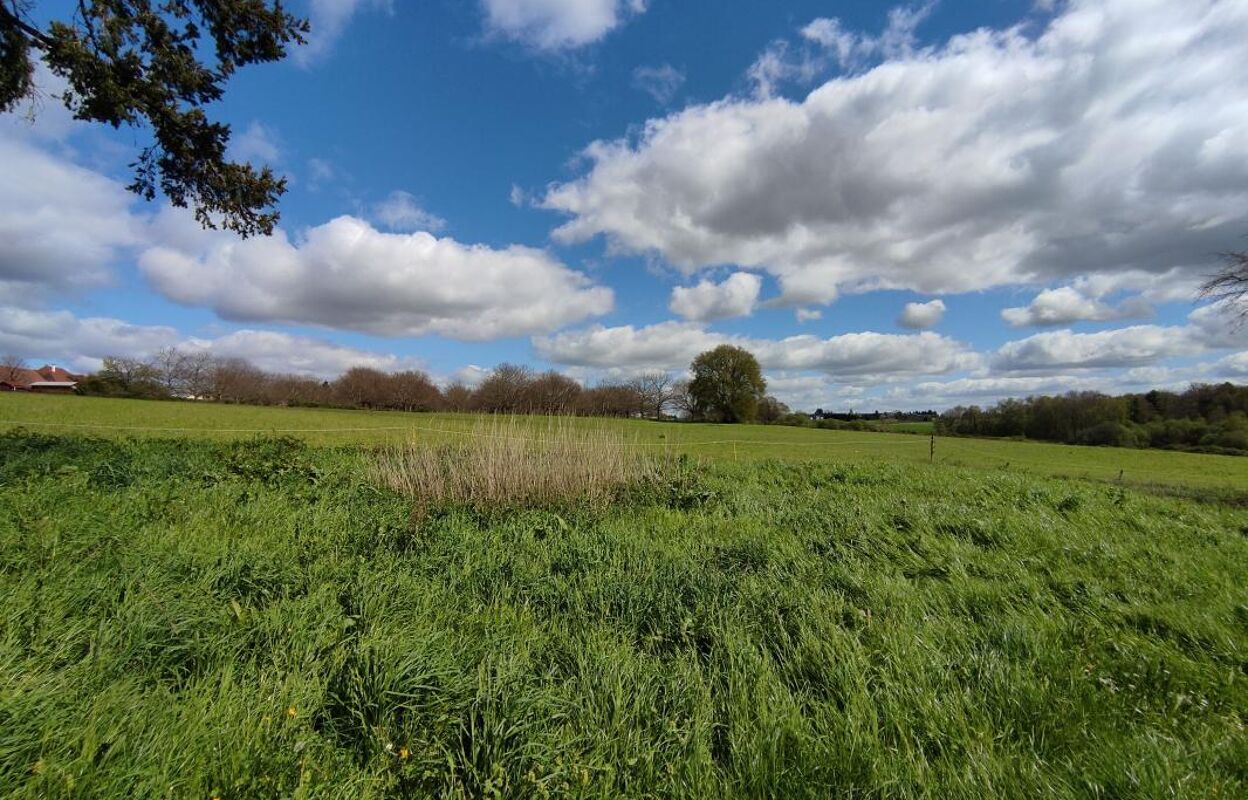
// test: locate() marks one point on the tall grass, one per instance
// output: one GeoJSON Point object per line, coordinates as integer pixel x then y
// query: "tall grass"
{"type": "Point", "coordinates": [258, 620]}
{"type": "Point", "coordinates": [506, 462]}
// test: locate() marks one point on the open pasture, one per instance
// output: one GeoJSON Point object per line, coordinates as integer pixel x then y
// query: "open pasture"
{"type": "Point", "coordinates": [265, 619]}
{"type": "Point", "coordinates": [737, 443]}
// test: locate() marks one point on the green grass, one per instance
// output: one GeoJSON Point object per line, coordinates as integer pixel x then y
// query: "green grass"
{"type": "Point", "coordinates": [734, 443]}
{"type": "Point", "coordinates": [257, 619]}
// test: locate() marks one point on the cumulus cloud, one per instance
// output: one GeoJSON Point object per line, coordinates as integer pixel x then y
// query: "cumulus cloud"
{"type": "Point", "coordinates": [81, 342]}
{"type": "Point", "coordinates": [1110, 142]}
{"type": "Point", "coordinates": [1234, 366]}
{"type": "Point", "coordinates": [557, 24]}
{"type": "Point", "coordinates": [665, 345]}
{"type": "Point", "coordinates": [85, 342]}
{"type": "Point", "coordinates": [346, 274]}
{"type": "Point", "coordinates": [257, 142]}
{"type": "Point", "coordinates": [1208, 328]}
{"type": "Point", "coordinates": [735, 297]}
{"type": "Point", "coordinates": [329, 20]}
{"type": "Point", "coordinates": [275, 351]}
{"type": "Point", "coordinates": [922, 315]}
{"type": "Point", "coordinates": [400, 212]}
{"type": "Point", "coordinates": [672, 345]}
{"type": "Point", "coordinates": [1136, 345]}
{"type": "Point", "coordinates": [61, 226]}
{"type": "Point", "coordinates": [662, 83]}
{"type": "Point", "coordinates": [1066, 304]}
{"type": "Point", "coordinates": [808, 314]}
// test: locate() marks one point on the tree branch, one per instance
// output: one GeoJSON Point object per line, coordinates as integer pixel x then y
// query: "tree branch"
{"type": "Point", "coordinates": [37, 37]}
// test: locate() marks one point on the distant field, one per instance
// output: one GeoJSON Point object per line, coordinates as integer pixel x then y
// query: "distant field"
{"type": "Point", "coordinates": [714, 442]}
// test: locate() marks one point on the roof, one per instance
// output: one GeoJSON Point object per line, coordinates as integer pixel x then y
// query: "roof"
{"type": "Point", "coordinates": [49, 372]}
{"type": "Point", "coordinates": [54, 384]}
{"type": "Point", "coordinates": [45, 377]}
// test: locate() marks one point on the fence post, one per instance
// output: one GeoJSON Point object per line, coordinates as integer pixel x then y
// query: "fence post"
{"type": "Point", "coordinates": [931, 450]}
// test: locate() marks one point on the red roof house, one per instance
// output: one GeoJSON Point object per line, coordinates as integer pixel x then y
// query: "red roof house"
{"type": "Point", "coordinates": [46, 378]}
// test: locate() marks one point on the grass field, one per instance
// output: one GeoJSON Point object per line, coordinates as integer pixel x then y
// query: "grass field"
{"type": "Point", "coordinates": [103, 416]}
{"type": "Point", "coordinates": [260, 619]}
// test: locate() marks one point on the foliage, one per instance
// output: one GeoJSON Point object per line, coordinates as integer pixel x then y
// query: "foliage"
{"type": "Point", "coordinates": [158, 65]}
{"type": "Point", "coordinates": [1210, 417]}
{"type": "Point", "coordinates": [727, 385]}
{"type": "Point", "coordinates": [857, 630]}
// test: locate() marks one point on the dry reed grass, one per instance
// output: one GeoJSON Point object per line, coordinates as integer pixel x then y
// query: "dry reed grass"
{"type": "Point", "coordinates": [506, 462]}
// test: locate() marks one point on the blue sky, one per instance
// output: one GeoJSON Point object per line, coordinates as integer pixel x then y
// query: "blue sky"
{"type": "Point", "coordinates": [894, 206]}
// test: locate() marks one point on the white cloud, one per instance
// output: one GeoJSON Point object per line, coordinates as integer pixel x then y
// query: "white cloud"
{"type": "Point", "coordinates": [329, 20]}
{"type": "Point", "coordinates": [470, 375]}
{"type": "Point", "coordinates": [735, 297]}
{"type": "Point", "coordinates": [922, 315]}
{"type": "Point", "coordinates": [1137, 345]}
{"type": "Point", "coordinates": [1234, 366]}
{"type": "Point", "coordinates": [274, 351]}
{"type": "Point", "coordinates": [320, 171]}
{"type": "Point", "coordinates": [258, 142]}
{"type": "Point", "coordinates": [61, 226]}
{"type": "Point", "coordinates": [1110, 143]}
{"type": "Point", "coordinates": [1208, 328]}
{"type": "Point", "coordinates": [81, 342]}
{"type": "Point", "coordinates": [400, 212]}
{"type": "Point", "coordinates": [346, 274]}
{"type": "Point", "coordinates": [808, 314]}
{"type": "Point", "coordinates": [673, 345]}
{"type": "Point", "coordinates": [1066, 304]}
{"type": "Point", "coordinates": [662, 82]}
{"type": "Point", "coordinates": [665, 345]}
{"type": "Point", "coordinates": [84, 342]}
{"type": "Point", "coordinates": [827, 42]}
{"type": "Point", "coordinates": [557, 24]}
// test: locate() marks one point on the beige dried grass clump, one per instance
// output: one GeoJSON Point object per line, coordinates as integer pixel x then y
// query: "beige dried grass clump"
{"type": "Point", "coordinates": [519, 463]}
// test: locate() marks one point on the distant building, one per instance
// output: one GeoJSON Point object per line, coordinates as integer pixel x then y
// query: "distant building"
{"type": "Point", "coordinates": [48, 379]}
{"type": "Point", "coordinates": [53, 387]}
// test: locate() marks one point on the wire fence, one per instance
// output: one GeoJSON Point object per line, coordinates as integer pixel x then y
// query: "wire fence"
{"type": "Point", "coordinates": [946, 450]}
{"type": "Point", "coordinates": [440, 431]}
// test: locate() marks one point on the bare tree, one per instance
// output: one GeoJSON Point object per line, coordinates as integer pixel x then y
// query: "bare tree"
{"type": "Point", "coordinates": [654, 390]}
{"type": "Point", "coordinates": [169, 363]}
{"type": "Point", "coordinates": [411, 390]}
{"type": "Point", "coordinates": [681, 399]}
{"type": "Point", "coordinates": [1229, 286]}
{"type": "Point", "coordinates": [11, 366]}
{"type": "Point", "coordinates": [235, 380]}
{"type": "Point", "coordinates": [197, 368]}
{"type": "Point", "coordinates": [504, 390]}
{"type": "Point", "coordinates": [551, 393]}
{"type": "Point", "coordinates": [457, 397]}
{"type": "Point", "coordinates": [362, 387]}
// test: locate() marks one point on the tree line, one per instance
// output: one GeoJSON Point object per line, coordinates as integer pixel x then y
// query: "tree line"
{"type": "Point", "coordinates": [1205, 417]}
{"type": "Point", "coordinates": [726, 385]}
{"type": "Point", "coordinates": [172, 373]}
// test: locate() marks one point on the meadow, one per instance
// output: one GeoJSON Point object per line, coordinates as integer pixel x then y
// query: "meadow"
{"type": "Point", "coordinates": [716, 443]}
{"type": "Point", "coordinates": [243, 616]}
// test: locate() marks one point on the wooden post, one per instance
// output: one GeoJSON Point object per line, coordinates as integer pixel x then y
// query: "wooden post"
{"type": "Point", "coordinates": [931, 450]}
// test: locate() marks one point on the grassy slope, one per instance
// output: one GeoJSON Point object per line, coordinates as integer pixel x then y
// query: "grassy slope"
{"type": "Point", "coordinates": [194, 619]}
{"type": "Point", "coordinates": [716, 442]}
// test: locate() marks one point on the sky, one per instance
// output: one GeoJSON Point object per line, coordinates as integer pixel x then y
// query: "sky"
{"type": "Point", "coordinates": [892, 206]}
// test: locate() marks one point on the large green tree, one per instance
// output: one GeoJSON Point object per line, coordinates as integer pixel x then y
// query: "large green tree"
{"type": "Point", "coordinates": [727, 385]}
{"type": "Point", "coordinates": [156, 65]}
